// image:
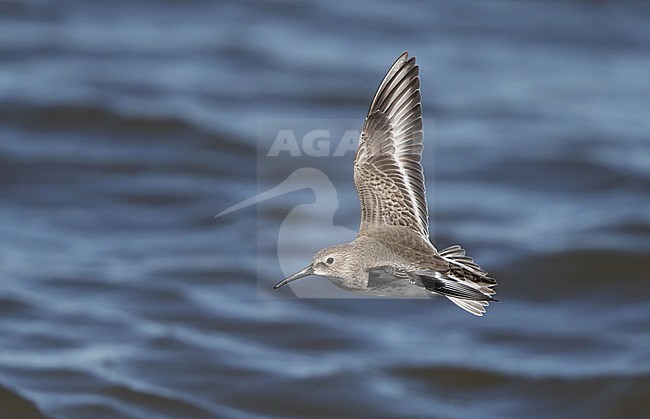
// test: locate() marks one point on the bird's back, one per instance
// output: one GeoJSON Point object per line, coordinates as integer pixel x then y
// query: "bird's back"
{"type": "Point", "coordinates": [401, 246]}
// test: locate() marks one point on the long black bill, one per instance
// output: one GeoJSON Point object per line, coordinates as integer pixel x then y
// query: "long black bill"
{"type": "Point", "coordinates": [309, 270]}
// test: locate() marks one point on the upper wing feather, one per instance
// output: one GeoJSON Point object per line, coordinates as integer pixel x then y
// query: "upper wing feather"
{"type": "Point", "coordinates": [387, 169]}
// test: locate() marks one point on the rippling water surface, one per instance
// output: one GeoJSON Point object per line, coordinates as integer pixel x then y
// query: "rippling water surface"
{"type": "Point", "coordinates": [126, 126]}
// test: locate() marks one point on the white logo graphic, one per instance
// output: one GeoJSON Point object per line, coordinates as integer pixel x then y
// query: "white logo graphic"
{"type": "Point", "coordinates": [306, 229]}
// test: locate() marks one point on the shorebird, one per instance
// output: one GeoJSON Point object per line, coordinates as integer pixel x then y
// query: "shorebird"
{"type": "Point", "coordinates": [392, 254]}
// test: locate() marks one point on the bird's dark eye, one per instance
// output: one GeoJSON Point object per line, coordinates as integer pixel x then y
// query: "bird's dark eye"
{"type": "Point", "coordinates": [330, 260]}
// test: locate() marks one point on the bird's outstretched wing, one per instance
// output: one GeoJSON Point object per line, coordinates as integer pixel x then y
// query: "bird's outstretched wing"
{"type": "Point", "coordinates": [387, 169]}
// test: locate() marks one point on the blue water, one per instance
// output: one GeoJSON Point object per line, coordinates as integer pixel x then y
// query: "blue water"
{"type": "Point", "coordinates": [126, 126]}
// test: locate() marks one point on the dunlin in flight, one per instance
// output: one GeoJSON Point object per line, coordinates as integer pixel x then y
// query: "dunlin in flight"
{"type": "Point", "coordinates": [392, 254]}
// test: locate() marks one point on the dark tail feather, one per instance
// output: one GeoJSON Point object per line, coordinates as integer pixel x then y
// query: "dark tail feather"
{"type": "Point", "coordinates": [465, 283]}
{"type": "Point", "coordinates": [464, 266]}
{"type": "Point", "coordinates": [450, 287]}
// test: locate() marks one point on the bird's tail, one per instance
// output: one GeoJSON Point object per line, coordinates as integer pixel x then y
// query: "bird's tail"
{"type": "Point", "coordinates": [465, 283]}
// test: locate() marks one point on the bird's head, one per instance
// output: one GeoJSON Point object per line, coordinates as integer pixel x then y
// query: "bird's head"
{"type": "Point", "coordinates": [332, 262]}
